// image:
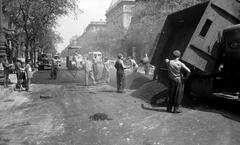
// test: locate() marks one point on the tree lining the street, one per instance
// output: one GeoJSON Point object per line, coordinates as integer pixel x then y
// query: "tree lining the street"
{"type": "Point", "coordinates": [109, 39]}
{"type": "Point", "coordinates": [34, 17]}
{"type": "Point", "coordinates": [103, 40]}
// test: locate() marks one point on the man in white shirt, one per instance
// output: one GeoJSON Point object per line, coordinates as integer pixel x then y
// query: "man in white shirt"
{"type": "Point", "coordinates": [89, 71]}
{"type": "Point", "coordinates": [133, 64]}
{"type": "Point", "coordinates": [106, 71]}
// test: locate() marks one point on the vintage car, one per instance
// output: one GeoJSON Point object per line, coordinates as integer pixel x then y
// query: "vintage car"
{"type": "Point", "coordinates": [44, 60]}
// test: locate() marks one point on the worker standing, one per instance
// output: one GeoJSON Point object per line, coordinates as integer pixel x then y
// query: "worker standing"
{"type": "Point", "coordinates": [29, 72]}
{"type": "Point", "coordinates": [145, 61]}
{"type": "Point", "coordinates": [119, 65]}
{"type": "Point", "coordinates": [6, 71]}
{"type": "Point", "coordinates": [106, 70]}
{"type": "Point", "coordinates": [54, 69]}
{"type": "Point", "coordinates": [133, 64]}
{"type": "Point", "coordinates": [89, 71]}
{"type": "Point", "coordinates": [95, 67]}
{"type": "Point", "coordinates": [176, 84]}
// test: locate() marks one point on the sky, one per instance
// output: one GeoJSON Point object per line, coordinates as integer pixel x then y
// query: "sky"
{"type": "Point", "coordinates": [93, 10]}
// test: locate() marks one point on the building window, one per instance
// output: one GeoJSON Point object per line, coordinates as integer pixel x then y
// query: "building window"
{"type": "Point", "coordinates": [205, 28]}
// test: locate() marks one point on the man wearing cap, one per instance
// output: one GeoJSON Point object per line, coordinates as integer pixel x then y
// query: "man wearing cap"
{"type": "Point", "coordinates": [176, 84]}
{"type": "Point", "coordinates": [119, 65]}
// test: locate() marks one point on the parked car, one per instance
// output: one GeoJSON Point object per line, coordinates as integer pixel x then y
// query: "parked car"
{"type": "Point", "coordinates": [44, 59]}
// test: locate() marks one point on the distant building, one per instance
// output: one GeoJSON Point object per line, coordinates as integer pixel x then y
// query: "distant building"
{"type": "Point", "coordinates": [119, 13]}
{"type": "Point", "coordinates": [95, 26]}
{"type": "Point", "coordinates": [73, 40]}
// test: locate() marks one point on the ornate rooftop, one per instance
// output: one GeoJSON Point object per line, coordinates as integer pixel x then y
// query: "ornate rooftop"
{"type": "Point", "coordinates": [116, 2]}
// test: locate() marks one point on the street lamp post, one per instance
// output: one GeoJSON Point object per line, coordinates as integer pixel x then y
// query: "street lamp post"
{"type": "Point", "coordinates": [2, 37]}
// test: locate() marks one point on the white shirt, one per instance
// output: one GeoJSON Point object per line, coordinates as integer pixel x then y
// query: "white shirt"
{"type": "Point", "coordinates": [133, 63]}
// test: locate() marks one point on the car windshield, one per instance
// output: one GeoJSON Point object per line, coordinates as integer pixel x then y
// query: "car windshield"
{"type": "Point", "coordinates": [56, 57]}
{"type": "Point", "coordinates": [45, 56]}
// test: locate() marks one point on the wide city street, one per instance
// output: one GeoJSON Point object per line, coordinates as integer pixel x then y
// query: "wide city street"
{"type": "Point", "coordinates": [66, 112]}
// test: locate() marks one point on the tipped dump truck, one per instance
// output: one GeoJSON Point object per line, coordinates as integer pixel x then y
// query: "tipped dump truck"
{"type": "Point", "coordinates": [208, 36]}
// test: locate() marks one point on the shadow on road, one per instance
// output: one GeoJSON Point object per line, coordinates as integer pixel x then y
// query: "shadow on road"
{"type": "Point", "coordinates": [143, 86]}
{"type": "Point", "coordinates": [152, 109]}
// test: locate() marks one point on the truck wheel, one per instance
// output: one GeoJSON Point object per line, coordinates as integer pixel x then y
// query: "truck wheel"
{"type": "Point", "coordinates": [41, 67]}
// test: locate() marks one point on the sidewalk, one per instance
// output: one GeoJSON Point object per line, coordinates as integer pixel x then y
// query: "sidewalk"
{"type": "Point", "coordinates": [4, 92]}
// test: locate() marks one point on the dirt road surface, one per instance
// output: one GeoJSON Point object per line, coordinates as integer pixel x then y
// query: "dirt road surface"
{"type": "Point", "coordinates": [61, 112]}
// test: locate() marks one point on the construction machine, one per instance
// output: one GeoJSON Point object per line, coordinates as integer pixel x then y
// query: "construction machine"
{"type": "Point", "coordinates": [72, 60]}
{"type": "Point", "coordinates": [208, 36]}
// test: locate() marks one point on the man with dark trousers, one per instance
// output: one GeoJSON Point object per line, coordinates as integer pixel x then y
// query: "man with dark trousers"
{"type": "Point", "coordinates": [119, 65]}
{"type": "Point", "coordinates": [176, 84]}
{"type": "Point", "coordinates": [6, 71]}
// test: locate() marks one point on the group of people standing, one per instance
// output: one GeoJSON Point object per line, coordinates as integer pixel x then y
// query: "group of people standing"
{"type": "Point", "coordinates": [91, 70]}
{"type": "Point", "coordinates": [23, 71]}
{"type": "Point", "coordinates": [175, 69]}
{"type": "Point", "coordinates": [176, 78]}
{"type": "Point", "coordinates": [120, 67]}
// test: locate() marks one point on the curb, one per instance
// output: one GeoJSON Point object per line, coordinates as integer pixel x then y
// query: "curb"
{"type": "Point", "coordinates": [5, 92]}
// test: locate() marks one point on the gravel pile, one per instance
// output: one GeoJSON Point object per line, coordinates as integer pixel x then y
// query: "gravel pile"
{"type": "Point", "coordinates": [153, 91]}
{"type": "Point", "coordinates": [136, 80]}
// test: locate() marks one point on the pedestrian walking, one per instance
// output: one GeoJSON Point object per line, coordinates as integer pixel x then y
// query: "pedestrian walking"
{"type": "Point", "coordinates": [133, 64]}
{"type": "Point", "coordinates": [176, 84]}
{"type": "Point", "coordinates": [106, 70]}
{"type": "Point", "coordinates": [29, 73]}
{"type": "Point", "coordinates": [119, 65]}
{"type": "Point", "coordinates": [145, 61]}
{"type": "Point", "coordinates": [89, 72]}
{"type": "Point", "coordinates": [95, 67]}
{"type": "Point", "coordinates": [6, 71]}
{"type": "Point", "coordinates": [54, 69]}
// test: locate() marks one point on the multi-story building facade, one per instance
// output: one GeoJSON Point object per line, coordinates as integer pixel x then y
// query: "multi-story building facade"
{"type": "Point", "coordinates": [119, 13]}
{"type": "Point", "coordinates": [93, 27]}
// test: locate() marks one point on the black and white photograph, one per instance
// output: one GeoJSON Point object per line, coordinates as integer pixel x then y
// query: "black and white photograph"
{"type": "Point", "coordinates": [119, 72]}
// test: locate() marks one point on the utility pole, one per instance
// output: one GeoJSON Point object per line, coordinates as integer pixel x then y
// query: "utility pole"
{"type": "Point", "coordinates": [2, 37]}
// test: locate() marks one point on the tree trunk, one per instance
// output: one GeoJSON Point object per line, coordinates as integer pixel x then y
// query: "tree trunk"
{"type": "Point", "coordinates": [34, 51]}
{"type": "Point", "coordinates": [26, 50]}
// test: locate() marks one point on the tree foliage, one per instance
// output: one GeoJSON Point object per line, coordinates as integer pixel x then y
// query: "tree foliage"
{"type": "Point", "coordinates": [34, 17]}
{"type": "Point", "coordinates": [103, 40]}
{"type": "Point", "coordinates": [148, 17]}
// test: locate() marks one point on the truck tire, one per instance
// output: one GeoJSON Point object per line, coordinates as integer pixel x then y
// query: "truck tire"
{"type": "Point", "coordinates": [41, 67]}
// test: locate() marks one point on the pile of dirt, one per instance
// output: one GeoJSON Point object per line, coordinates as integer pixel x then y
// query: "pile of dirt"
{"type": "Point", "coordinates": [99, 117]}
{"type": "Point", "coordinates": [136, 80]}
{"type": "Point", "coordinates": [153, 92]}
